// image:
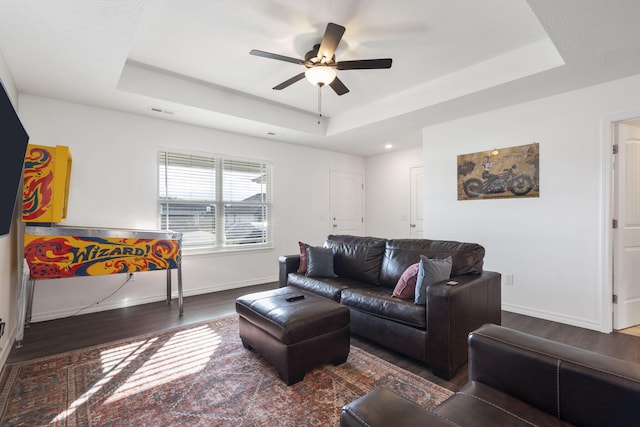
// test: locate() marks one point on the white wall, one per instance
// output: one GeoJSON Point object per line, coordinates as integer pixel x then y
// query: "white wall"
{"type": "Point", "coordinates": [387, 192]}
{"type": "Point", "coordinates": [113, 185]}
{"type": "Point", "coordinates": [553, 245]}
{"type": "Point", "coordinates": [8, 243]}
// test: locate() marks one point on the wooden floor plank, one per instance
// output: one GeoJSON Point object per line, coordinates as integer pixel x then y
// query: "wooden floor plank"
{"type": "Point", "coordinates": [634, 330]}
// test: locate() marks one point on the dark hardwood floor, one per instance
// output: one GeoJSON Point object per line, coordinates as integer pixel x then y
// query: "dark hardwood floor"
{"type": "Point", "coordinates": [71, 333]}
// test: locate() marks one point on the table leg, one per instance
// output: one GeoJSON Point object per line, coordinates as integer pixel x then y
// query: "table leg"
{"type": "Point", "coordinates": [180, 299]}
{"type": "Point", "coordinates": [31, 290]}
{"type": "Point", "coordinates": [168, 286]}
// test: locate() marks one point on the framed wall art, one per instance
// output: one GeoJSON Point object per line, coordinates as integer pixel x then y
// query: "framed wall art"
{"type": "Point", "coordinates": [511, 172]}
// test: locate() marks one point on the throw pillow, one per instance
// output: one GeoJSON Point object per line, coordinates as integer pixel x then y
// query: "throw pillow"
{"type": "Point", "coordinates": [319, 262]}
{"type": "Point", "coordinates": [430, 271]}
{"type": "Point", "coordinates": [406, 286]}
{"type": "Point", "coordinates": [302, 268]}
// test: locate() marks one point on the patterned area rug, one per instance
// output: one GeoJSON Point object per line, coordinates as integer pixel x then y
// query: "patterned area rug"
{"type": "Point", "coordinates": [197, 375]}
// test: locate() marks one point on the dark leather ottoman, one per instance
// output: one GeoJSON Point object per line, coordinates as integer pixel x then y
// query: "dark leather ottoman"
{"type": "Point", "coordinates": [295, 336]}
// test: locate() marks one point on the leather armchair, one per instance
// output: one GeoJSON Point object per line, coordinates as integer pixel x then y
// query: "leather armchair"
{"type": "Point", "coordinates": [519, 379]}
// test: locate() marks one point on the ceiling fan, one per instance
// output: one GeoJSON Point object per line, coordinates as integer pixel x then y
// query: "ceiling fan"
{"type": "Point", "coordinates": [321, 62]}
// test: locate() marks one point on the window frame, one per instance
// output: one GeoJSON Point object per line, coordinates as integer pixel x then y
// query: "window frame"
{"type": "Point", "coordinates": [219, 242]}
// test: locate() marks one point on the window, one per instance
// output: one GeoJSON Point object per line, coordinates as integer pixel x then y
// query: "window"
{"type": "Point", "coordinates": [215, 202]}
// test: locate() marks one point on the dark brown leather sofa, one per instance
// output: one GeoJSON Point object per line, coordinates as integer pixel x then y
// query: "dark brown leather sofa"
{"type": "Point", "coordinates": [516, 379]}
{"type": "Point", "coordinates": [368, 269]}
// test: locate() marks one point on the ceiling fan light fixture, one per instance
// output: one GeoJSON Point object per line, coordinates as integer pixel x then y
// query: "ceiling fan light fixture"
{"type": "Point", "coordinates": [320, 75]}
{"type": "Point", "coordinates": [321, 62]}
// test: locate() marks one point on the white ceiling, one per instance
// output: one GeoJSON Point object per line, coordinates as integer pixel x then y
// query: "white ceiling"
{"type": "Point", "coordinates": [190, 58]}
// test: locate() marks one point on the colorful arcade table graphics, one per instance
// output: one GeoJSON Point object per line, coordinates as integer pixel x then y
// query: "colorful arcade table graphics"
{"type": "Point", "coordinates": [61, 252]}
{"type": "Point", "coordinates": [47, 172]}
{"type": "Point", "coordinates": [70, 252]}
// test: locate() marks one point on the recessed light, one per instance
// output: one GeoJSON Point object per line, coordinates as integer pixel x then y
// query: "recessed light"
{"type": "Point", "coordinates": [388, 146]}
{"type": "Point", "coordinates": [160, 110]}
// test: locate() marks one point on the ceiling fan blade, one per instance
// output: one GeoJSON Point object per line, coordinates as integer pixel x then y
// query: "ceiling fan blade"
{"type": "Point", "coordinates": [330, 40]}
{"type": "Point", "coordinates": [289, 82]}
{"type": "Point", "coordinates": [275, 56]}
{"type": "Point", "coordinates": [338, 86]}
{"type": "Point", "coordinates": [364, 64]}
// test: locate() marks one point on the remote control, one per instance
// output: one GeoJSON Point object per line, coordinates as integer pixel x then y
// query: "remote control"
{"type": "Point", "coordinates": [294, 297]}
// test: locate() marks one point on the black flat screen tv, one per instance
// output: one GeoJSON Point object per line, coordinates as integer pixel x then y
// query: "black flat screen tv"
{"type": "Point", "coordinates": [13, 146]}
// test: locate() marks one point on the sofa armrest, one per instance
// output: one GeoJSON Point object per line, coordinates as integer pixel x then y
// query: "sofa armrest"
{"type": "Point", "coordinates": [287, 264]}
{"type": "Point", "coordinates": [382, 407]}
{"type": "Point", "coordinates": [575, 385]}
{"type": "Point", "coordinates": [453, 312]}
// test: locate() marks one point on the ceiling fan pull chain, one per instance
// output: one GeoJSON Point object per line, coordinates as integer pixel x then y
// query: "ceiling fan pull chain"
{"type": "Point", "coordinates": [319, 103]}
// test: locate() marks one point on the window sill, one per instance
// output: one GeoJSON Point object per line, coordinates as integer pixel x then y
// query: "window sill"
{"type": "Point", "coordinates": [226, 250]}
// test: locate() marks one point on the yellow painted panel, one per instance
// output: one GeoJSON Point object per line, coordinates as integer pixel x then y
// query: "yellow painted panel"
{"type": "Point", "coordinates": [47, 172]}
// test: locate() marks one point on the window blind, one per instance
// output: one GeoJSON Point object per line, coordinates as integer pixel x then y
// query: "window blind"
{"type": "Point", "coordinates": [215, 202]}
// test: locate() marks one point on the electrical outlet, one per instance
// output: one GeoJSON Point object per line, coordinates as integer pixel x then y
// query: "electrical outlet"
{"type": "Point", "coordinates": [508, 279]}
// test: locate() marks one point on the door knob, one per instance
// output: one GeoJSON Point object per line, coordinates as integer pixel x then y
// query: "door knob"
{"type": "Point", "coordinates": [412, 225]}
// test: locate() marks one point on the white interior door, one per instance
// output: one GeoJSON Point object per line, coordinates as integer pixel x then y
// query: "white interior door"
{"type": "Point", "coordinates": [347, 194]}
{"type": "Point", "coordinates": [626, 237]}
{"type": "Point", "coordinates": [416, 214]}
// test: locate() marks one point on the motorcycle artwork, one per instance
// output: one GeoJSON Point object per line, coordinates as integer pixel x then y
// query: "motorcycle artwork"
{"type": "Point", "coordinates": [508, 180]}
{"type": "Point", "coordinates": [518, 177]}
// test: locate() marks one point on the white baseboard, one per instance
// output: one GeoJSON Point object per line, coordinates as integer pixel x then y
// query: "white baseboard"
{"type": "Point", "coordinates": [556, 317]}
{"type": "Point", "coordinates": [159, 296]}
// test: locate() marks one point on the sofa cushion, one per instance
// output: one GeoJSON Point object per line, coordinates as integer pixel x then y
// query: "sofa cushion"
{"type": "Point", "coordinates": [383, 407]}
{"type": "Point", "coordinates": [406, 286]}
{"type": "Point", "coordinates": [479, 404]}
{"type": "Point", "coordinates": [302, 268]}
{"type": "Point", "coordinates": [430, 271]}
{"type": "Point", "coordinates": [319, 262]}
{"type": "Point", "coordinates": [379, 302]}
{"type": "Point", "coordinates": [356, 257]}
{"type": "Point", "coordinates": [401, 253]}
{"type": "Point", "coordinates": [328, 287]}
